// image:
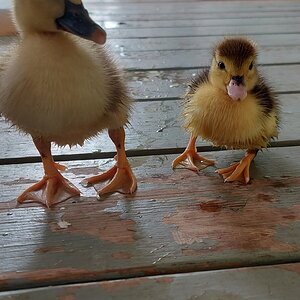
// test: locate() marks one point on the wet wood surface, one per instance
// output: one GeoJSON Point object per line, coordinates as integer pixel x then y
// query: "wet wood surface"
{"type": "Point", "coordinates": [182, 235]}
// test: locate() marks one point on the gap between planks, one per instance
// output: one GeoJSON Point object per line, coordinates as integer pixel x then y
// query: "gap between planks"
{"type": "Point", "coordinates": [131, 153]}
{"type": "Point", "coordinates": [201, 67]}
{"type": "Point", "coordinates": [162, 272]}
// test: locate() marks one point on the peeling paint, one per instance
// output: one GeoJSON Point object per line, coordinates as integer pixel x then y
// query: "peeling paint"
{"type": "Point", "coordinates": [9, 279]}
{"type": "Point", "coordinates": [211, 206]}
{"type": "Point", "coordinates": [265, 197]}
{"type": "Point", "coordinates": [253, 227]}
{"type": "Point", "coordinates": [166, 280]}
{"type": "Point", "coordinates": [50, 249]}
{"type": "Point", "coordinates": [121, 255]}
{"type": "Point", "coordinates": [96, 222]}
{"type": "Point", "coordinates": [290, 267]}
{"type": "Point", "coordinates": [123, 284]}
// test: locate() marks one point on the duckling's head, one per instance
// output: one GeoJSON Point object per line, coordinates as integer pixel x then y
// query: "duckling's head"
{"type": "Point", "coordinates": [233, 67]}
{"type": "Point", "coordinates": [48, 16]}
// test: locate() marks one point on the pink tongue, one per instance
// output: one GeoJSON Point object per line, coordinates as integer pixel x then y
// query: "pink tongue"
{"type": "Point", "coordinates": [235, 91]}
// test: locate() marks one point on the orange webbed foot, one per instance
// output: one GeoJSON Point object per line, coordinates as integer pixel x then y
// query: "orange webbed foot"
{"type": "Point", "coordinates": [190, 159]}
{"type": "Point", "coordinates": [120, 180]}
{"type": "Point", "coordinates": [53, 188]}
{"type": "Point", "coordinates": [238, 171]}
{"type": "Point", "coordinates": [49, 191]}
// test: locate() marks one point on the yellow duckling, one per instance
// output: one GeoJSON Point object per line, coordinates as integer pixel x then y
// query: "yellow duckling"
{"type": "Point", "coordinates": [232, 106]}
{"type": "Point", "coordinates": [59, 85]}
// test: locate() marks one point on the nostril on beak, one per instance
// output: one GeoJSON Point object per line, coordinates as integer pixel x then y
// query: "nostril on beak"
{"type": "Point", "coordinates": [238, 79]}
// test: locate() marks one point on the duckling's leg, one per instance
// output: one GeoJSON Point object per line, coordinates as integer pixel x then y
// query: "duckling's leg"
{"type": "Point", "coordinates": [239, 171]}
{"type": "Point", "coordinates": [121, 176]}
{"type": "Point", "coordinates": [189, 158]}
{"type": "Point", "coordinates": [53, 188]}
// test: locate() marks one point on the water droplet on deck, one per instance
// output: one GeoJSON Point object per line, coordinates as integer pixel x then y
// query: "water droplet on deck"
{"type": "Point", "coordinates": [111, 24]}
{"type": "Point", "coordinates": [174, 85]}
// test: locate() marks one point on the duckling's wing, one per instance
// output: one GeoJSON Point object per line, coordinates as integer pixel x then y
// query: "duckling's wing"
{"type": "Point", "coordinates": [269, 103]}
{"type": "Point", "coordinates": [267, 99]}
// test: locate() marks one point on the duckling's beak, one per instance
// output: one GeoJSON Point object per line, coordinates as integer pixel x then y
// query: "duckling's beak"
{"type": "Point", "coordinates": [76, 20]}
{"type": "Point", "coordinates": [236, 89]}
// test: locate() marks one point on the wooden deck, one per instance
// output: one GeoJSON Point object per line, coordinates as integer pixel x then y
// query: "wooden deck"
{"type": "Point", "coordinates": [182, 235]}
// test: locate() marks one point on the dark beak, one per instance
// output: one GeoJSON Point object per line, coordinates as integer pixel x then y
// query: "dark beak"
{"type": "Point", "coordinates": [77, 21]}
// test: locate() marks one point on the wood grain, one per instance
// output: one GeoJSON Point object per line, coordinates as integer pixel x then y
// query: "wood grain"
{"type": "Point", "coordinates": [154, 125]}
{"type": "Point", "coordinates": [269, 283]}
{"type": "Point", "coordinates": [194, 43]}
{"type": "Point", "coordinates": [176, 222]}
{"type": "Point", "coordinates": [237, 21]}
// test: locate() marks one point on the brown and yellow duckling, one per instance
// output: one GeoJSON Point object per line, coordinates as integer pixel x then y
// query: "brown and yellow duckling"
{"type": "Point", "coordinates": [231, 106]}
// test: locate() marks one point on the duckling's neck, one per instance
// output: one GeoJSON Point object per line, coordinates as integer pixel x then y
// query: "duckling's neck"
{"type": "Point", "coordinates": [43, 34]}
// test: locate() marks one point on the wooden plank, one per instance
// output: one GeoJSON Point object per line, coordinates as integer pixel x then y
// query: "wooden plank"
{"type": "Point", "coordinates": [176, 222]}
{"type": "Point", "coordinates": [153, 126]}
{"type": "Point", "coordinates": [186, 31]}
{"type": "Point", "coordinates": [182, 7]}
{"type": "Point", "coordinates": [189, 16]}
{"type": "Point", "coordinates": [193, 43]}
{"type": "Point", "coordinates": [196, 58]}
{"type": "Point", "coordinates": [194, 7]}
{"type": "Point", "coordinates": [181, 59]}
{"type": "Point", "coordinates": [154, 2]}
{"type": "Point", "coordinates": [172, 83]}
{"type": "Point", "coordinates": [269, 283]}
{"type": "Point", "coordinates": [198, 22]}
{"type": "Point", "coordinates": [125, 46]}
{"type": "Point", "coordinates": [202, 31]}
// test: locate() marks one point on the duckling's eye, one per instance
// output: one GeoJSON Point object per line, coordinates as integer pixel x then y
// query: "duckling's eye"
{"type": "Point", "coordinates": [221, 65]}
{"type": "Point", "coordinates": [251, 66]}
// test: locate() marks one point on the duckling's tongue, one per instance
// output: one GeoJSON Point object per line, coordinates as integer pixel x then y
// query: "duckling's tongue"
{"type": "Point", "coordinates": [236, 91]}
